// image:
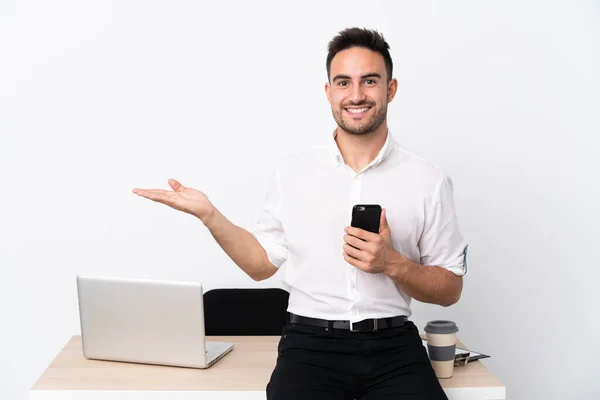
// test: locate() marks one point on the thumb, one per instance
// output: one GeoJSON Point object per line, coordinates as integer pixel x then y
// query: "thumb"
{"type": "Point", "coordinates": [383, 225]}
{"type": "Point", "coordinates": [175, 185]}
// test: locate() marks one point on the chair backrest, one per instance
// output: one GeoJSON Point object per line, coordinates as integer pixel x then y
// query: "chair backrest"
{"type": "Point", "coordinates": [236, 312]}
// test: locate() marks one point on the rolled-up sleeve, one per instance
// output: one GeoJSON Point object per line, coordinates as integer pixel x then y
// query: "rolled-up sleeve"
{"type": "Point", "coordinates": [441, 243]}
{"type": "Point", "coordinates": [268, 229]}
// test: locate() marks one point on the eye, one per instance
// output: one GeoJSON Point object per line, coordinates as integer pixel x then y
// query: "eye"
{"type": "Point", "coordinates": [343, 83]}
{"type": "Point", "coordinates": [370, 81]}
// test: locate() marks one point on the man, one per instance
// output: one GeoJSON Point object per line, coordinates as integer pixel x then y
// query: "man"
{"type": "Point", "coordinates": [350, 289]}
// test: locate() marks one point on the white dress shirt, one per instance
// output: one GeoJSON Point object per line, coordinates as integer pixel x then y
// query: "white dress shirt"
{"type": "Point", "coordinates": [309, 203]}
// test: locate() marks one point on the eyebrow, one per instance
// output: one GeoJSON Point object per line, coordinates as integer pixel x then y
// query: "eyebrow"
{"type": "Point", "coordinates": [370, 75]}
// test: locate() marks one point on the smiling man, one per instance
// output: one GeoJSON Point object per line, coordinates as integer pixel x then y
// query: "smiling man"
{"type": "Point", "coordinates": [349, 334]}
{"type": "Point", "coordinates": [360, 92]}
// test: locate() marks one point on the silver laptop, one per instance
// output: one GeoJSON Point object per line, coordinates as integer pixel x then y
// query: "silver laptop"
{"type": "Point", "coordinates": [145, 321]}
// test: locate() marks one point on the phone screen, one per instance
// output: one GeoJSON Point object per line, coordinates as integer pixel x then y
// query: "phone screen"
{"type": "Point", "coordinates": [367, 217]}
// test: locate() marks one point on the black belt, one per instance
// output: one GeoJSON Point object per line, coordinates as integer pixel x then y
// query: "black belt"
{"type": "Point", "coordinates": [366, 325]}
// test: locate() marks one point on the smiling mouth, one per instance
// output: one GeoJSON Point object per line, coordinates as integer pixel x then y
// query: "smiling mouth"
{"type": "Point", "coordinates": [357, 112]}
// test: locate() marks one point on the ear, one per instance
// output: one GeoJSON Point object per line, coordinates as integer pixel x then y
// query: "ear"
{"type": "Point", "coordinates": [392, 88]}
{"type": "Point", "coordinates": [328, 92]}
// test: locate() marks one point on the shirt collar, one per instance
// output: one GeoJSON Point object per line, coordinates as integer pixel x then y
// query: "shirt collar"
{"type": "Point", "coordinates": [336, 155]}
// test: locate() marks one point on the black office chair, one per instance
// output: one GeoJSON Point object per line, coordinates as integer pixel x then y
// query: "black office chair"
{"type": "Point", "coordinates": [243, 312]}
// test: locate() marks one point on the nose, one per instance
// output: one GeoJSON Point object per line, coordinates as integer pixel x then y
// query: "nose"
{"type": "Point", "coordinates": [357, 95]}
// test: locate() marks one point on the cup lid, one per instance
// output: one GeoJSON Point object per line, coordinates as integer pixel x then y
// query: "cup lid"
{"type": "Point", "coordinates": [441, 326]}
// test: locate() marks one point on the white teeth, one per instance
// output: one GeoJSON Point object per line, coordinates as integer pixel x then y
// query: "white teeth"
{"type": "Point", "coordinates": [357, 110]}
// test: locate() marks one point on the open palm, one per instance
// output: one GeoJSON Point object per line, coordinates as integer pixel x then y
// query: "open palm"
{"type": "Point", "coordinates": [181, 198]}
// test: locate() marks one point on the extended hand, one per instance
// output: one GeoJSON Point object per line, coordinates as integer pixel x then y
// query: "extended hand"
{"type": "Point", "coordinates": [184, 199]}
{"type": "Point", "coordinates": [368, 251]}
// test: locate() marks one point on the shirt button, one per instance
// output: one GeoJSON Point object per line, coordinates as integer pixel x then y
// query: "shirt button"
{"type": "Point", "coordinates": [357, 177]}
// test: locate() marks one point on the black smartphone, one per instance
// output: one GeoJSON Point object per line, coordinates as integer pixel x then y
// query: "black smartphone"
{"type": "Point", "coordinates": [367, 217]}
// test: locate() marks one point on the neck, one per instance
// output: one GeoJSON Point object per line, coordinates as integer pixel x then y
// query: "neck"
{"type": "Point", "coordinates": [359, 150]}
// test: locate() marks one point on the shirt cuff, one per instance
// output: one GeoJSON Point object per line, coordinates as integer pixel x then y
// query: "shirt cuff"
{"type": "Point", "coordinates": [459, 265]}
{"type": "Point", "coordinates": [276, 254]}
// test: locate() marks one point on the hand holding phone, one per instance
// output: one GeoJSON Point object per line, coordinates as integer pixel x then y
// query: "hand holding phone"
{"type": "Point", "coordinates": [367, 252]}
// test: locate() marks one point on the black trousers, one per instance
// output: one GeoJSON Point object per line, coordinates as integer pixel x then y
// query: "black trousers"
{"type": "Point", "coordinates": [318, 363]}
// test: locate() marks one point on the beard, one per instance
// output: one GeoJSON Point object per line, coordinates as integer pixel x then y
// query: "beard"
{"type": "Point", "coordinates": [362, 127]}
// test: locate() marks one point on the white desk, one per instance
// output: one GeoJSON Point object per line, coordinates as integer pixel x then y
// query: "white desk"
{"type": "Point", "coordinates": [242, 374]}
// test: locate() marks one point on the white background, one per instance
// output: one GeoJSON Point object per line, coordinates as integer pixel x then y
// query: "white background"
{"type": "Point", "coordinates": [99, 97]}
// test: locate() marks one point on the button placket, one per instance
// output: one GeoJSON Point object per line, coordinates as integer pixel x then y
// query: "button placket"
{"type": "Point", "coordinates": [355, 195]}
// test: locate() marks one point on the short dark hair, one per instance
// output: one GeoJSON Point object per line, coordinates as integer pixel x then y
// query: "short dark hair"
{"type": "Point", "coordinates": [360, 37]}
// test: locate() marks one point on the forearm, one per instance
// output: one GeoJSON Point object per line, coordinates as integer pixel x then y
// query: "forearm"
{"type": "Point", "coordinates": [425, 283]}
{"type": "Point", "coordinates": [241, 246]}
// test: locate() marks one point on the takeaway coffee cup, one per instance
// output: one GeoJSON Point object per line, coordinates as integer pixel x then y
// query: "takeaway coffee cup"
{"type": "Point", "coordinates": [441, 346]}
